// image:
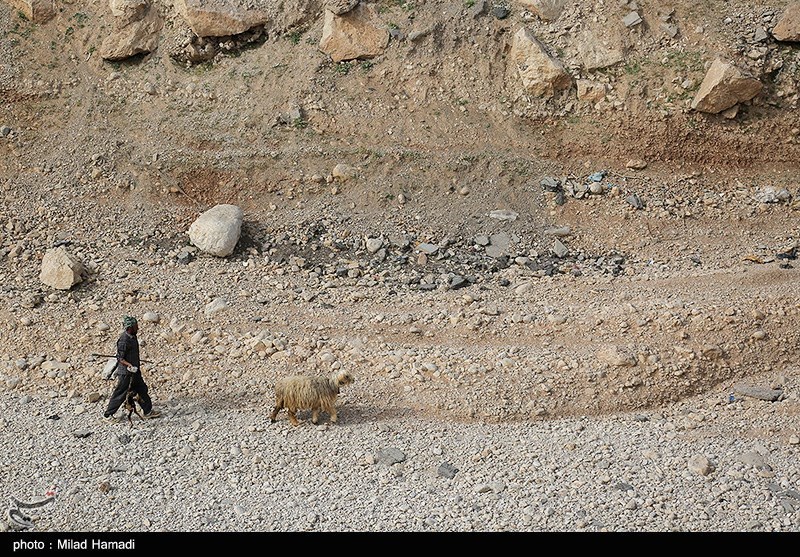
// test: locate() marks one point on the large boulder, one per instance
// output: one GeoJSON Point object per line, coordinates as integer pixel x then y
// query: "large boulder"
{"type": "Point", "coordinates": [220, 18]}
{"type": "Point", "coordinates": [217, 230]}
{"type": "Point", "coordinates": [135, 37]}
{"type": "Point", "coordinates": [723, 87]}
{"type": "Point", "coordinates": [355, 35]}
{"type": "Point", "coordinates": [788, 26]}
{"type": "Point", "coordinates": [541, 74]}
{"type": "Point", "coordinates": [38, 11]}
{"type": "Point", "coordinates": [60, 269]}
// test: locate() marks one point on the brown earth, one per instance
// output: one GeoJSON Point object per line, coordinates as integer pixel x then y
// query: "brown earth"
{"type": "Point", "coordinates": [119, 158]}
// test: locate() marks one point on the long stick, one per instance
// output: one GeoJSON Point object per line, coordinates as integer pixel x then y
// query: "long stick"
{"type": "Point", "coordinates": [109, 356]}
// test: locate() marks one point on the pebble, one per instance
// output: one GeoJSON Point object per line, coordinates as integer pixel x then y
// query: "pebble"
{"type": "Point", "coordinates": [699, 464]}
{"type": "Point", "coordinates": [373, 244]}
{"type": "Point", "coordinates": [504, 214]}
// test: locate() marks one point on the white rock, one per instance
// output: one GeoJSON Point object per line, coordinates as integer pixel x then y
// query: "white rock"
{"type": "Point", "coordinates": [217, 230]}
{"type": "Point", "coordinates": [215, 306]}
{"type": "Point", "coordinates": [54, 365]}
{"type": "Point", "coordinates": [110, 364]}
{"type": "Point", "coordinates": [151, 317]}
{"type": "Point", "coordinates": [548, 10]}
{"type": "Point", "coordinates": [503, 214]}
{"type": "Point", "coordinates": [699, 464]}
{"type": "Point", "coordinates": [788, 26]}
{"type": "Point", "coordinates": [37, 11]}
{"type": "Point", "coordinates": [374, 244]}
{"type": "Point", "coordinates": [135, 37]}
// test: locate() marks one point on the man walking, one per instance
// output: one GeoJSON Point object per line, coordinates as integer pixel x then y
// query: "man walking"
{"type": "Point", "coordinates": [128, 374]}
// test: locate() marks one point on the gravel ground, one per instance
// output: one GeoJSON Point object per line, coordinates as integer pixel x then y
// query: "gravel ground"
{"type": "Point", "coordinates": [704, 465]}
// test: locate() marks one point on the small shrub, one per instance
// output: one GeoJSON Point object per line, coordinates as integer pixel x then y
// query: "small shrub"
{"type": "Point", "coordinates": [80, 19]}
{"type": "Point", "coordinates": [343, 68]}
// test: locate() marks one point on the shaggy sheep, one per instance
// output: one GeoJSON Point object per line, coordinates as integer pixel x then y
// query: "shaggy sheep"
{"type": "Point", "coordinates": [301, 392]}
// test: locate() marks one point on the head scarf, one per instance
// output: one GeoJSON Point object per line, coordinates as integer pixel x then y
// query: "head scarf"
{"type": "Point", "coordinates": [129, 321]}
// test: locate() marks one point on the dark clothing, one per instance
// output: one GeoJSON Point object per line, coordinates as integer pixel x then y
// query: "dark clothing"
{"type": "Point", "coordinates": [121, 390]}
{"type": "Point", "coordinates": [128, 350]}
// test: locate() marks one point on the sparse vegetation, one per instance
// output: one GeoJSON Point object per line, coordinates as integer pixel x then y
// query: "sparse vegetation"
{"type": "Point", "coordinates": [410, 155]}
{"type": "Point", "coordinates": [80, 19]}
{"type": "Point", "coordinates": [343, 68]}
{"type": "Point", "coordinates": [633, 67]}
{"type": "Point", "coordinates": [684, 61]}
{"type": "Point", "coordinates": [24, 29]}
{"type": "Point", "coordinates": [388, 5]}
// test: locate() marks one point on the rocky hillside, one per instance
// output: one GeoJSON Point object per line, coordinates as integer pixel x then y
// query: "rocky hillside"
{"type": "Point", "coordinates": [488, 210]}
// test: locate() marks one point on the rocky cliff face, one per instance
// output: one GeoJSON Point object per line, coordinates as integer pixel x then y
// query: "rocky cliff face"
{"type": "Point", "coordinates": [388, 147]}
{"type": "Point", "coordinates": [561, 80]}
